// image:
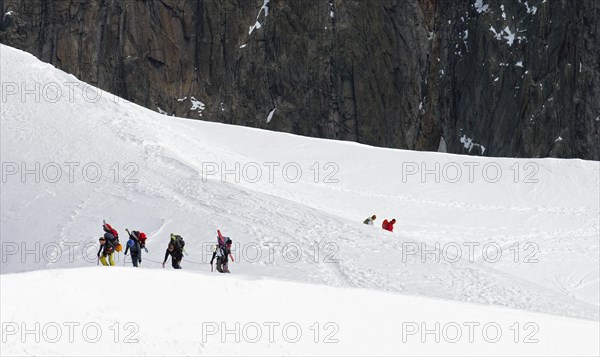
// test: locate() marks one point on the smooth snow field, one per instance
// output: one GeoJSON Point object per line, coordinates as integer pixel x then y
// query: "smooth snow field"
{"type": "Point", "coordinates": [489, 256]}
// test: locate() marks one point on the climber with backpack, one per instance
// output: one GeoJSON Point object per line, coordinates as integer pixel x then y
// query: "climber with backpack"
{"type": "Point", "coordinates": [222, 251]}
{"type": "Point", "coordinates": [107, 249]}
{"type": "Point", "coordinates": [369, 221]}
{"type": "Point", "coordinates": [134, 245]}
{"type": "Point", "coordinates": [223, 260]}
{"type": "Point", "coordinates": [109, 244]}
{"type": "Point", "coordinates": [175, 249]}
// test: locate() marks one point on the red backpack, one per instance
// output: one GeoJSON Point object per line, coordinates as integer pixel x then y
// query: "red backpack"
{"type": "Point", "coordinates": [142, 239]}
{"type": "Point", "coordinates": [109, 228]}
{"type": "Point", "coordinates": [112, 230]}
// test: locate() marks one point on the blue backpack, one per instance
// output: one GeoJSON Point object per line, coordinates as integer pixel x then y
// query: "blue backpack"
{"type": "Point", "coordinates": [133, 245]}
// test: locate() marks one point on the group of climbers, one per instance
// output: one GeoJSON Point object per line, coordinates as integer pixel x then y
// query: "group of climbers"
{"type": "Point", "coordinates": [387, 225]}
{"type": "Point", "coordinates": [109, 244]}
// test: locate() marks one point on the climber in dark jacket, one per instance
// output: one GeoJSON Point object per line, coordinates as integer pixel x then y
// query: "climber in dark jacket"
{"type": "Point", "coordinates": [107, 249]}
{"type": "Point", "coordinates": [176, 256]}
{"type": "Point", "coordinates": [134, 245]}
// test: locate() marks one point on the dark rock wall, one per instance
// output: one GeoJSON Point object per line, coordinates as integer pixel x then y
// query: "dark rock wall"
{"type": "Point", "coordinates": [492, 77]}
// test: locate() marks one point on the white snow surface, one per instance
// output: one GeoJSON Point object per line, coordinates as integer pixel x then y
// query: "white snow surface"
{"type": "Point", "coordinates": [302, 252]}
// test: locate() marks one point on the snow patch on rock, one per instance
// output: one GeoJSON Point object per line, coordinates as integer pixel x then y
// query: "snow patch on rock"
{"type": "Point", "coordinates": [480, 7]}
{"type": "Point", "coordinates": [469, 144]}
{"type": "Point", "coordinates": [264, 8]}
{"type": "Point", "coordinates": [270, 116]}
{"type": "Point", "coordinates": [197, 105]}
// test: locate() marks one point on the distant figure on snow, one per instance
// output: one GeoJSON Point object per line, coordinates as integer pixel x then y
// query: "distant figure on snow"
{"type": "Point", "coordinates": [388, 226]}
{"type": "Point", "coordinates": [370, 220]}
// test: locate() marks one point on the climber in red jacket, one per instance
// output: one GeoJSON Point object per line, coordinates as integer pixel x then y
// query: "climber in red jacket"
{"type": "Point", "coordinates": [388, 226]}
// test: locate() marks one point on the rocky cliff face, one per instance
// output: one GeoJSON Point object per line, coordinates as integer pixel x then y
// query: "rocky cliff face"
{"type": "Point", "coordinates": [487, 77]}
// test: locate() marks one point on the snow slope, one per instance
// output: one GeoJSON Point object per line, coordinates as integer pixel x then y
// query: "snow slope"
{"type": "Point", "coordinates": [522, 234]}
{"type": "Point", "coordinates": [186, 314]}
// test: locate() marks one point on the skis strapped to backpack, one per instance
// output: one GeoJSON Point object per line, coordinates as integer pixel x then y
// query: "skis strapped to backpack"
{"type": "Point", "coordinates": [140, 237]}
{"type": "Point", "coordinates": [115, 242]}
{"type": "Point", "coordinates": [220, 239]}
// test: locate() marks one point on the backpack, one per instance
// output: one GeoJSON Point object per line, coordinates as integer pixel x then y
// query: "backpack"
{"type": "Point", "coordinates": [112, 243]}
{"type": "Point", "coordinates": [142, 239]}
{"type": "Point", "coordinates": [115, 241]}
{"type": "Point", "coordinates": [221, 247]}
{"type": "Point", "coordinates": [133, 246]}
{"type": "Point", "coordinates": [112, 230]}
{"type": "Point", "coordinates": [177, 241]}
